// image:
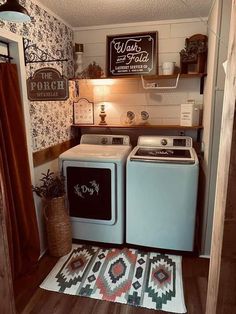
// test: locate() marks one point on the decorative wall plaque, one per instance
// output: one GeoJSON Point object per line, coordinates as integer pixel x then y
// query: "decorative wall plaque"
{"type": "Point", "coordinates": [132, 54]}
{"type": "Point", "coordinates": [83, 112]}
{"type": "Point", "coordinates": [47, 84]}
{"type": "Point", "coordinates": [193, 57]}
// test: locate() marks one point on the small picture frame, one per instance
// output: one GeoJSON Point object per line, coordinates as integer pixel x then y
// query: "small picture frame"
{"type": "Point", "coordinates": [83, 112]}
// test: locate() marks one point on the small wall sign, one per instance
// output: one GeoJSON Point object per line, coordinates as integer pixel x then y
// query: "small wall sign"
{"type": "Point", "coordinates": [83, 112]}
{"type": "Point", "coordinates": [47, 84]}
{"type": "Point", "coordinates": [132, 54]}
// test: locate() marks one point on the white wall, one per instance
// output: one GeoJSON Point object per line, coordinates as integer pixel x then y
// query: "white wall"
{"type": "Point", "coordinates": [171, 37]}
{"type": "Point", "coordinates": [123, 95]}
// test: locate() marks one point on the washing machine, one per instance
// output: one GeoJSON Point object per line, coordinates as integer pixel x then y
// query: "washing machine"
{"type": "Point", "coordinates": [162, 183]}
{"type": "Point", "coordinates": [94, 174]}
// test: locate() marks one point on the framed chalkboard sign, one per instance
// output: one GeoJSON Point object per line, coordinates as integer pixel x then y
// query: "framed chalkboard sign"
{"type": "Point", "coordinates": [132, 54]}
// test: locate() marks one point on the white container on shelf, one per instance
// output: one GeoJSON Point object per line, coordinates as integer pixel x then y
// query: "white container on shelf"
{"type": "Point", "coordinates": [168, 68]}
{"type": "Point", "coordinates": [189, 114]}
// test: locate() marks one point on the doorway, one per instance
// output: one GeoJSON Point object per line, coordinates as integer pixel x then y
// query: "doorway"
{"type": "Point", "coordinates": [17, 53]}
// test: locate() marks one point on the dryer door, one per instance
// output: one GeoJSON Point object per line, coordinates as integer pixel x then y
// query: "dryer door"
{"type": "Point", "coordinates": [91, 191]}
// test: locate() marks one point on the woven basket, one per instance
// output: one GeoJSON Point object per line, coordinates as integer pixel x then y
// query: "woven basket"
{"type": "Point", "coordinates": [58, 227]}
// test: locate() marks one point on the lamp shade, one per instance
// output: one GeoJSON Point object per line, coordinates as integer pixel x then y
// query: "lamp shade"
{"type": "Point", "coordinates": [12, 11]}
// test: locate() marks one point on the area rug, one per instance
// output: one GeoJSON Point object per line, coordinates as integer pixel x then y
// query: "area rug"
{"type": "Point", "coordinates": [128, 276]}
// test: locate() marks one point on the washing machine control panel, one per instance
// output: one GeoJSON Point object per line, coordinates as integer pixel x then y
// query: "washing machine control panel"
{"type": "Point", "coordinates": [164, 142]}
{"type": "Point", "coordinates": [169, 141]}
{"type": "Point", "coordinates": [183, 142]}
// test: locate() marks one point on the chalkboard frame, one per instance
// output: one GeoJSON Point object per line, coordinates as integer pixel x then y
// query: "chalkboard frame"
{"type": "Point", "coordinates": [147, 39]}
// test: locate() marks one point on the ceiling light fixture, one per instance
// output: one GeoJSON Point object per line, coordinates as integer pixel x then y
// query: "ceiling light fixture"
{"type": "Point", "coordinates": [12, 11]}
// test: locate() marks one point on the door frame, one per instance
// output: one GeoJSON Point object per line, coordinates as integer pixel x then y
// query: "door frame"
{"type": "Point", "coordinates": [223, 168]}
{"type": "Point", "coordinates": [6, 284]}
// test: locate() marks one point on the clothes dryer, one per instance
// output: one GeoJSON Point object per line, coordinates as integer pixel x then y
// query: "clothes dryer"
{"type": "Point", "coordinates": [94, 174]}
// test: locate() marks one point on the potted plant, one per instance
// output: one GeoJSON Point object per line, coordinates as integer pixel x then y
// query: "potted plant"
{"type": "Point", "coordinates": [52, 192]}
{"type": "Point", "coordinates": [52, 186]}
{"type": "Point", "coordinates": [93, 71]}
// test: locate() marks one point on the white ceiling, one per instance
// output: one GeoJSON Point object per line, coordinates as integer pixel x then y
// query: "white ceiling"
{"type": "Point", "coordinates": [79, 13]}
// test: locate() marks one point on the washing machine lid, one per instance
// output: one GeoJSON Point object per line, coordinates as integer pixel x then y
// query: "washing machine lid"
{"type": "Point", "coordinates": [87, 152]}
{"type": "Point", "coordinates": [165, 155]}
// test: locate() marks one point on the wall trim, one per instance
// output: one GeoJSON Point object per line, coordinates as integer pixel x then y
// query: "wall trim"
{"type": "Point", "coordinates": [52, 152]}
{"type": "Point", "coordinates": [109, 26]}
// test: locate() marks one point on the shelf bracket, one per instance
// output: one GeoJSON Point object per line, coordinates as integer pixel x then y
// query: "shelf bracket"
{"type": "Point", "coordinates": [33, 54]}
{"type": "Point", "coordinates": [202, 85]}
{"type": "Point", "coordinates": [155, 85]}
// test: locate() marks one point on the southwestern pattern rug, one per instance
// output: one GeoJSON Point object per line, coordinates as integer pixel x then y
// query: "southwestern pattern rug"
{"type": "Point", "coordinates": [128, 276]}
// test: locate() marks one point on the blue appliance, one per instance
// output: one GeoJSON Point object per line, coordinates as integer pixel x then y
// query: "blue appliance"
{"type": "Point", "coordinates": [162, 182]}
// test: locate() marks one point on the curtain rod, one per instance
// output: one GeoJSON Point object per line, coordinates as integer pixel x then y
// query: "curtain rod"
{"type": "Point", "coordinates": [6, 57]}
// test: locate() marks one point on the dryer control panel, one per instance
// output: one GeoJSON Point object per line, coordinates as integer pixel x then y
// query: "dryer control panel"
{"type": "Point", "coordinates": [104, 139]}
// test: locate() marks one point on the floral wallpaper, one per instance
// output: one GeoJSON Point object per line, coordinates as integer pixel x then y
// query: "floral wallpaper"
{"type": "Point", "coordinates": [50, 120]}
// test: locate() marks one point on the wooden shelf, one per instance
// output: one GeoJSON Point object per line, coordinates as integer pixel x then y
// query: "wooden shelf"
{"type": "Point", "coordinates": [134, 131]}
{"type": "Point", "coordinates": [144, 126]}
{"type": "Point", "coordinates": [164, 77]}
{"type": "Point", "coordinates": [148, 77]}
{"type": "Point", "coordinates": [201, 76]}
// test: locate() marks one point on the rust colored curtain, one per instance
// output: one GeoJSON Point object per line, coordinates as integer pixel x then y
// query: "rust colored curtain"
{"type": "Point", "coordinates": [22, 227]}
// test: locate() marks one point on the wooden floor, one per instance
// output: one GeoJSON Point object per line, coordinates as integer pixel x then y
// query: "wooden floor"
{"type": "Point", "coordinates": [32, 299]}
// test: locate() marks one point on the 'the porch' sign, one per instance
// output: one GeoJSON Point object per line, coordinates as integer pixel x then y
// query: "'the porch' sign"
{"type": "Point", "coordinates": [47, 84]}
